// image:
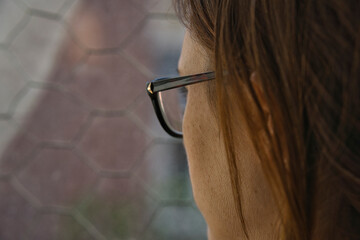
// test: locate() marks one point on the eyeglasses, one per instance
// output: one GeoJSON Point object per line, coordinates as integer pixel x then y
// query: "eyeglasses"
{"type": "Point", "coordinates": [169, 96]}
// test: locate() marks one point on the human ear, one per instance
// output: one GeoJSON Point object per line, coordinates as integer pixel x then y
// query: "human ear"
{"type": "Point", "coordinates": [259, 91]}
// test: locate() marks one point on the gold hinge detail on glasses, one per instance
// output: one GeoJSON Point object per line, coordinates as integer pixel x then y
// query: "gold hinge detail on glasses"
{"type": "Point", "coordinates": [149, 89]}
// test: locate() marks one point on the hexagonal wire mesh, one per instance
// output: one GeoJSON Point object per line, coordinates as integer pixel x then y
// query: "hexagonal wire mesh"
{"type": "Point", "coordinates": [82, 155]}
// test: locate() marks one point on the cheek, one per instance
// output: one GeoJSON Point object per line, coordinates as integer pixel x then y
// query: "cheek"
{"type": "Point", "coordinates": [208, 166]}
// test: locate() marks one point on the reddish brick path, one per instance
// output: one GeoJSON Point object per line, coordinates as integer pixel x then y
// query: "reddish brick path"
{"type": "Point", "coordinates": [82, 155]}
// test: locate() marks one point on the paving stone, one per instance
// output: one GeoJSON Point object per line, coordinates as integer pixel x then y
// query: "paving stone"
{"type": "Point", "coordinates": [12, 81]}
{"type": "Point", "coordinates": [163, 6]}
{"type": "Point", "coordinates": [165, 36]}
{"type": "Point", "coordinates": [107, 82]}
{"type": "Point", "coordinates": [53, 54]}
{"type": "Point", "coordinates": [177, 223]}
{"type": "Point", "coordinates": [69, 9]}
{"type": "Point", "coordinates": [155, 6]}
{"type": "Point", "coordinates": [119, 208]}
{"type": "Point", "coordinates": [164, 171]}
{"type": "Point", "coordinates": [44, 36]}
{"type": "Point", "coordinates": [7, 132]}
{"type": "Point", "coordinates": [148, 5]}
{"type": "Point", "coordinates": [16, 213]}
{"type": "Point", "coordinates": [57, 177]}
{"type": "Point", "coordinates": [19, 220]}
{"type": "Point", "coordinates": [115, 144]}
{"type": "Point", "coordinates": [60, 228]}
{"type": "Point", "coordinates": [27, 102]}
{"type": "Point", "coordinates": [46, 5]}
{"type": "Point", "coordinates": [146, 113]}
{"type": "Point", "coordinates": [50, 115]}
{"type": "Point", "coordinates": [67, 59]}
{"type": "Point", "coordinates": [10, 16]}
{"type": "Point", "coordinates": [145, 4]}
{"type": "Point", "coordinates": [105, 24]}
{"type": "Point", "coordinates": [15, 147]}
{"type": "Point", "coordinates": [69, 229]}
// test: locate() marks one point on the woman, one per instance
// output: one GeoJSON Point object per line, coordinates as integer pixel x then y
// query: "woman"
{"type": "Point", "coordinates": [273, 141]}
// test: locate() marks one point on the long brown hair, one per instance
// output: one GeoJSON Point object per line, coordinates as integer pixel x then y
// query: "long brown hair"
{"type": "Point", "coordinates": [307, 56]}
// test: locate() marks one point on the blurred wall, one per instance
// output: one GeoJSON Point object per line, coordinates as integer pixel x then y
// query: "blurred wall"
{"type": "Point", "coordinates": [82, 155]}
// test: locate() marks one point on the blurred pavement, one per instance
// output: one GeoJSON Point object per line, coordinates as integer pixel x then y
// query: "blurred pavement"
{"type": "Point", "coordinates": [82, 155]}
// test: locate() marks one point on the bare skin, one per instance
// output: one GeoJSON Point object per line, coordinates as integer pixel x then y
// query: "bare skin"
{"type": "Point", "coordinates": [208, 165]}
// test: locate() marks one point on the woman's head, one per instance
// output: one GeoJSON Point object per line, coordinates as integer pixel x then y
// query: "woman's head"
{"type": "Point", "coordinates": [283, 116]}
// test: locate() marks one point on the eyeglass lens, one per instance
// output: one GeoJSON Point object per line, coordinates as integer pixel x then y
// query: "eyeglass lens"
{"type": "Point", "coordinates": [172, 104]}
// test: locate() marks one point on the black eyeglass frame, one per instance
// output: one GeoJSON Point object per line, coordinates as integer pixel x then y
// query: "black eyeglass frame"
{"type": "Point", "coordinates": [162, 84]}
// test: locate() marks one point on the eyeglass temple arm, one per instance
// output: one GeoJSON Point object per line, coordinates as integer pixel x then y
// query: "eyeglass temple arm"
{"type": "Point", "coordinates": [162, 84]}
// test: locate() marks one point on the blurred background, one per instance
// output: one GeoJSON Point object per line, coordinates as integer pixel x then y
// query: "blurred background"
{"type": "Point", "coordinates": [82, 155]}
